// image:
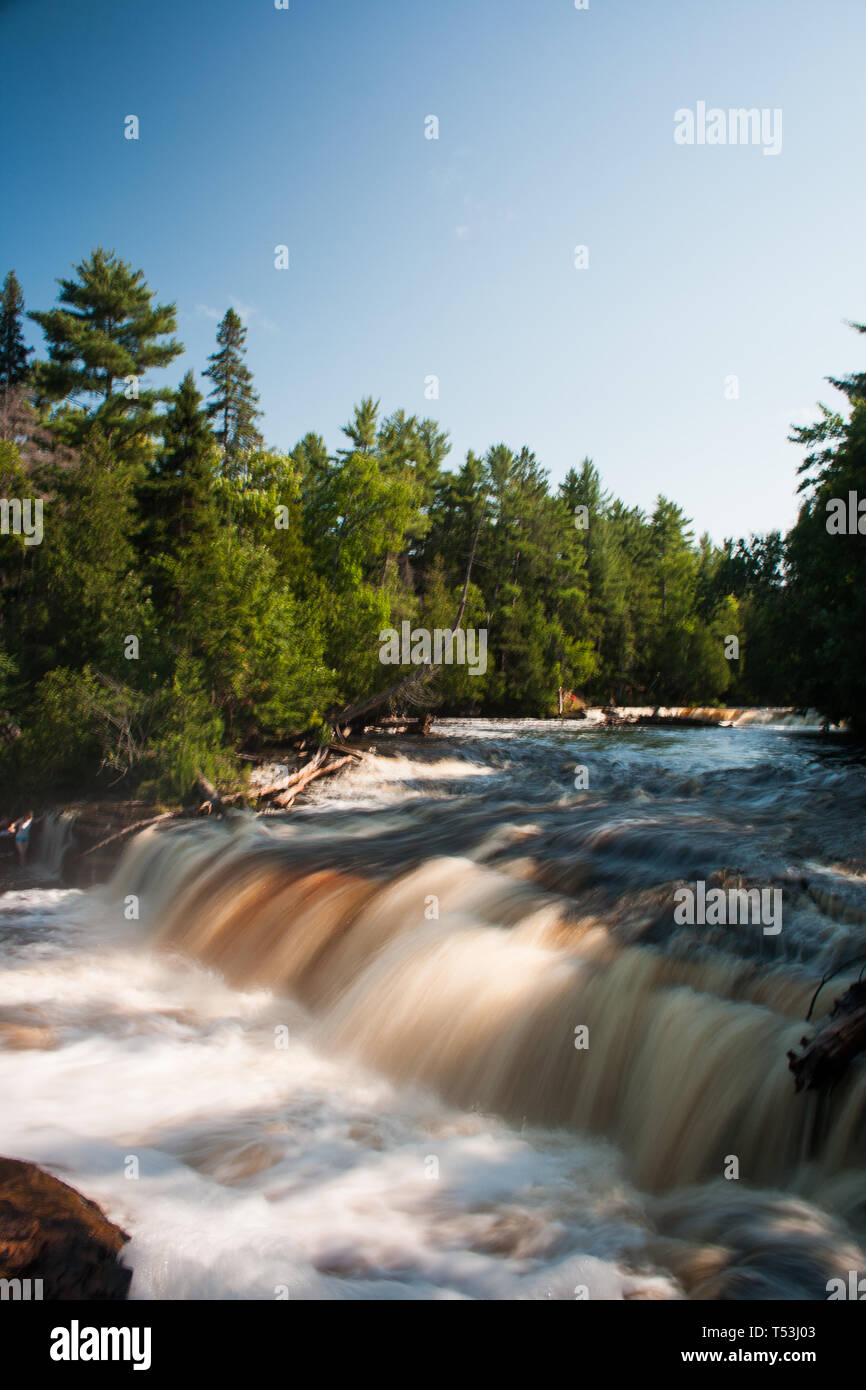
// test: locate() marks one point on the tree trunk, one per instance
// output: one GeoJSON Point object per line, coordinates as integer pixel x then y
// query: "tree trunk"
{"type": "Point", "coordinates": [837, 1041]}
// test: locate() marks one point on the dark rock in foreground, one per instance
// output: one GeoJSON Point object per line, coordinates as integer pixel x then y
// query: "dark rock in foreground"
{"type": "Point", "coordinates": [48, 1231]}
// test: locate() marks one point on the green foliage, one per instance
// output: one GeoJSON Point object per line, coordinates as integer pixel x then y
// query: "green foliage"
{"type": "Point", "coordinates": [828, 577]}
{"type": "Point", "coordinates": [13, 350]}
{"type": "Point", "coordinates": [177, 498]}
{"type": "Point", "coordinates": [91, 595]}
{"type": "Point", "coordinates": [256, 583]}
{"type": "Point", "coordinates": [104, 338]}
{"type": "Point", "coordinates": [261, 651]}
{"type": "Point", "coordinates": [67, 737]}
{"type": "Point", "coordinates": [191, 739]}
{"type": "Point", "coordinates": [233, 402]}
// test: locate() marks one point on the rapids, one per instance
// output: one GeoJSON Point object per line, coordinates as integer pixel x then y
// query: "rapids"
{"type": "Point", "coordinates": [435, 1034]}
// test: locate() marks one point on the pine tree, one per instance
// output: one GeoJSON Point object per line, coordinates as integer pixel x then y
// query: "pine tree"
{"type": "Point", "coordinates": [362, 428]}
{"type": "Point", "coordinates": [176, 498]}
{"type": "Point", "coordinates": [826, 565]}
{"type": "Point", "coordinates": [92, 584]}
{"type": "Point", "coordinates": [101, 342]}
{"type": "Point", "coordinates": [233, 402]}
{"type": "Point", "coordinates": [13, 350]}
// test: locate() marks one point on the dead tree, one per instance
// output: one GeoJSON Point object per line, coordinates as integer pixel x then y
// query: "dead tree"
{"type": "Point", "coordinates": [839, 1039]}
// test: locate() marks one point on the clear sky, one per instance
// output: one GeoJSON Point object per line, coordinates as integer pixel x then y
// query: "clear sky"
{"type": "Point", "coordinates": [455, 257]}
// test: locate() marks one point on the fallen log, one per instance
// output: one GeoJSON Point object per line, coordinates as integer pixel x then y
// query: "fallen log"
{"type": "Point", "coordinates": [283, 789]}
{"type": "Point", "coordinates": [349, 752]}
{"type": "Point", "coordinates": [403, 724]}
{"type": "Point", "coordinates": [285, 783]}
{"type": "Point", "coordinates": [838, 1040]}
{"type": "Point", "coordinates": [131, 830]}
{"type": "Point", "coordinates": [272, 789]}
{"type": "Point", "coordinates": [402, 689]}
{"type": "Point", "coordinates": [310, 774]}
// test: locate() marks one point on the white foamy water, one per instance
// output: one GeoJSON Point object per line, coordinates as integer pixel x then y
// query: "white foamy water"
{"type": "Point", "coordinates": [264, 1168]}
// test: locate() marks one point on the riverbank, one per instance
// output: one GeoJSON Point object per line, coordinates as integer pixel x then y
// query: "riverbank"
{"type": "Point", "coordinates": [68, 835]}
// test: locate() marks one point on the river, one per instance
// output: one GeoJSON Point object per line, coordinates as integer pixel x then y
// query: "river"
{"type": "Point", "coordinates": [437, 1034]}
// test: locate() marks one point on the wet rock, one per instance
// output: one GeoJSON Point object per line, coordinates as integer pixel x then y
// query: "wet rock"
{"type": "Point", "coordinates": [48, 1231]}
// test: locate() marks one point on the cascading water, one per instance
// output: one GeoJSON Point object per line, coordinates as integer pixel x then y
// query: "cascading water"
{"type": "Point", "coordinates": [438, 1033]}
{"type": "Point", "coordinates": [55, 836]}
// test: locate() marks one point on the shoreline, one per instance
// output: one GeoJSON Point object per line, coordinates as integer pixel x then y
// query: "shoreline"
{"type": "Point", "coordinates": [95, 818]}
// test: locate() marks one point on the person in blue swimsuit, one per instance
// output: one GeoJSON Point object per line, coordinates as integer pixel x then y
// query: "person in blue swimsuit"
{"type": "Point", "coordinates": [22, 837]}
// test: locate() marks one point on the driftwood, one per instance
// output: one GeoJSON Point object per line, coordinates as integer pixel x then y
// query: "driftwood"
{"type": "Point", "coordinates": [310, 773]}
{"type": "Point", "coordinates": [285, 783]}
{"type": "Point", "coordinates": [403, 724]}
{"type": "Point", "coordinates": [322, 763]}
{"type": "Point", "coordinates": [214, 801]}
{"type": "Point", "coordinates": [131, 830]}
{"type": "Point", "coordinates": [836, 1043]}
{"type": "Point", "coordinates": [272, 789]}
{"type": "Point", "coordinates": [349, 752]}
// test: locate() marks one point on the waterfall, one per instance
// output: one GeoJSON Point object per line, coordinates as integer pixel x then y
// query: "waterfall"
{"type": "Point", "coordinates": [54, 839]}
{"type": "Point", "coordinates": [497, 1000]}
{"type": "Point", "coordinates": [438, 1033]}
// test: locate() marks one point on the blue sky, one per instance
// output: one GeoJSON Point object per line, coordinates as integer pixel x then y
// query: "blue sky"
{"type": "Point", "coordinates": [455, 257]}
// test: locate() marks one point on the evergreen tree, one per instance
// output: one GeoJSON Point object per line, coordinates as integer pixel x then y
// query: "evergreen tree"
{"type": "Point", "coordinates": [177, 495]}
{"type": "Point", "coordinates": [827, 563]}
{"type": "Point", "coordinates": [362, 428]}
{"type": "Point", "coordinates": [459, 502]}
{"type": "Point", "coordinates": [13, 350]}
{"type": "Point", "coordinates": [264, 626]}
{"type": "Point", "coordinates": [103, 340]}
{"type": "Point", "coordinates": [233, 402]}
{"type": "Point", "coordinates": [606, 623]}
{"type": "Point", "coordinates": [259, 650]}
{"type": "Point", "coordinates": [92, 584]}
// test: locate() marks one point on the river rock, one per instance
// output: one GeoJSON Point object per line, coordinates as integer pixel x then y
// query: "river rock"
{"type": "Point", "coordinates": [48, 1231]}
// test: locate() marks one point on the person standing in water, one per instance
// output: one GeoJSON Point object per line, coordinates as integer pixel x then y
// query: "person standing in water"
{"type": "Point", "coordinates": [22, 837]}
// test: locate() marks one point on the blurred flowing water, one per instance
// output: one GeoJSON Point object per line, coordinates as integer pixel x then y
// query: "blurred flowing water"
{"type": "Point", "coordinates": [333, 1053]}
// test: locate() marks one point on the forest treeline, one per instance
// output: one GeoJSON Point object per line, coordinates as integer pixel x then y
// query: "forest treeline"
{"type": "Point", "coordinates": [193, 589]}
